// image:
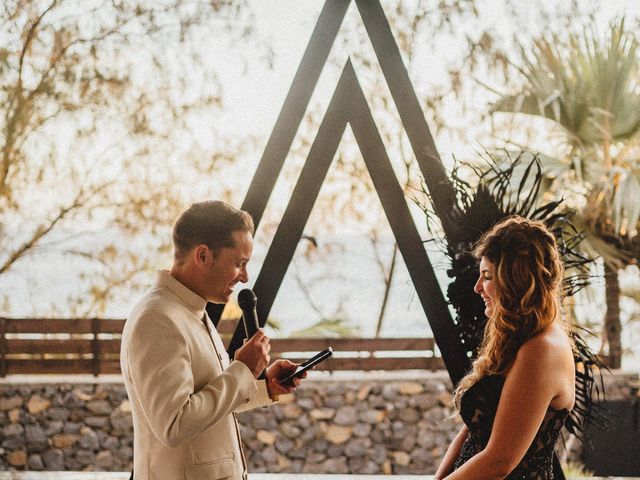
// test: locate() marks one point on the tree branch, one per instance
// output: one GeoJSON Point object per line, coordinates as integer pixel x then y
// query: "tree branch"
{"type": "Point", "coordinates": [80, 201]}
{"type": "Point", "coordinates": [29, 39]}
{"type": "Point", "coordinates": [17, 103]}
{"type": "Point", "coordinates": [37, 236]}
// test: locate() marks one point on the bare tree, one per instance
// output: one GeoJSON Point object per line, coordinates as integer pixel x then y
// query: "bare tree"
{"type": "Point", "coordinates": [96, 149]}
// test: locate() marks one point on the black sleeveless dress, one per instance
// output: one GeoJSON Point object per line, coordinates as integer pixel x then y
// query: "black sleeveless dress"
{"type": "Point", "coordinates": [478, 408]}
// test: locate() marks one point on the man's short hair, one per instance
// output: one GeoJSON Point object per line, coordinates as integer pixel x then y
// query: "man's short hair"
{"type": "Point", "coordinates": [211, 223]}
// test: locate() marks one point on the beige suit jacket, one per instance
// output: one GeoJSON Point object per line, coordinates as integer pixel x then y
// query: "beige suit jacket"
{"type": "Point", "coordinates": [183, 390]}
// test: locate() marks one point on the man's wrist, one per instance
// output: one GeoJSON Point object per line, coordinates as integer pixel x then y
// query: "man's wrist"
{"type": "Point", "coordinates": [268, 382]}
{"type": "Point", "coordinates": [273, 396]}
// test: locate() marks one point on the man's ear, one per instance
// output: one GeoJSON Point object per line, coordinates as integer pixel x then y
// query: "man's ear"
{"type": "Point", "coordinates": [200, 254]}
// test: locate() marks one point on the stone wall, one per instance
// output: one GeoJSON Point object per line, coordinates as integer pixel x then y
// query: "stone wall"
{"type": "Point", "coordinates": [347, 423]}
{"type": "Point", "coordinates": [354, 426]}
{"type": "Point", "coordinates": [65, 427]}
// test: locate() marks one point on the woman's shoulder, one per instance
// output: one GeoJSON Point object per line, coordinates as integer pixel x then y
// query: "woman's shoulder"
{"type": "Point", "coordinates": [547, 347]}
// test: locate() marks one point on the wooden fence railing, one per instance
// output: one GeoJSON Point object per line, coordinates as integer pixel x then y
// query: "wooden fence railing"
{"type": "Point", "coordinates": [92, 346]}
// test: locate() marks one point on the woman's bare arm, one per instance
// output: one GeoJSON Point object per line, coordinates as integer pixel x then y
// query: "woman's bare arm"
{"type": "Point", "coordinates": [446, 466]}
{"type": "Point", "coordinates": [530, 386]}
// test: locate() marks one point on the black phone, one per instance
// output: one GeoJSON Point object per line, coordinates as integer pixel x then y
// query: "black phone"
{"type": "Point", "coordinates": [307, 364]}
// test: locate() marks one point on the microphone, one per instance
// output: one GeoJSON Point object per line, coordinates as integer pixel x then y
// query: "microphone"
{"type": "Point", "coordinates": [247, 301]}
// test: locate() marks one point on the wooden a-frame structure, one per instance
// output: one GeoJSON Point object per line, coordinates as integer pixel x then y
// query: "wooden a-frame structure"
{"type": "Point", "coordinates": [348, 105]}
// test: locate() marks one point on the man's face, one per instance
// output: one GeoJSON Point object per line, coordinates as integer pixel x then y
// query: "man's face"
{"type": "Point", "coordinates": [228, 267]}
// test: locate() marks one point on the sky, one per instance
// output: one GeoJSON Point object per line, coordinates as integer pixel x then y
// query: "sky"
{"type": "Point", "coordinates": [264, 90]}
{"type": "Point", "coordinates": [254, 86]}
{"type": "Point", "coordinates": [286, 25]}
{"type": "Point", "coordinates": [254, 96]}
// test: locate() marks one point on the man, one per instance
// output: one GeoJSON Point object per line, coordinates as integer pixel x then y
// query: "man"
{"type": "Point", "coordinates": [183, 389]}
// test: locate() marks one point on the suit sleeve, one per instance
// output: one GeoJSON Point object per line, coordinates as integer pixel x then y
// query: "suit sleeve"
{"type": "Point", "coordinates": [160, 370]}
{"type": "Point", "coordinates": [260, 399]}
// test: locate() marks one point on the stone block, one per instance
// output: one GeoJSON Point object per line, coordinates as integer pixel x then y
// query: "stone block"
{"type": "Point", "coordinates": [14, 415]}
{"type": "Point", "coordinates": [35, 462]}
{"type": "Point", "coordinates": [99, 407]}
{"type": "Point", "coordinates": [125, 406]}
{"type": "Point", "coordinates": [85, 457]}
{"type": "Point", "coordinates": [337, 434]}
{"type": "Point", "coordinates": [12, 429]}
{"type": "Point", "coordinates": [335, 465]}
{"type": "Point", "coordinates": [17, 458]}
{"type": "Point", "coordinates": [58, 413]}
{"type": "Point", "coordinates": [363, 392]}
{"type": "Point", "coordinates": [121, 422]}
{"type": "Point", "coordinates": [53, 459]}
{"type": "Point", "coordinates": [38, 404]}
{"type": "Point", "coordinates": [88, 439]}
{"type": "Point", "coordinates": [401, 458]}
{"type": "Point", "coordinates": [347, 415]}
{"type": "Point", "coordinates": [322, 413]}
{"type": "Point", "coordinates": [410, 388]}
{"type": "Point", "coordinates": [97, 422]}
{"type": "Point", "coordinates": [266, 437]}
{"type": "Point", "coordinates": [357, 447]}
{"type": "Point", "coordinates": [37, 439]}
{"type": "Point", "coordinates": [13, 442]}
{"type": "Point", "coordinates": [10, 403]}
{"type": "Point", "coordinates": [291, 411]}
{"type": "Point", "coordinates": [372, 416]}
{"type": "Point", "coordinates": [64, 440]}
{"type": "Point", "coordinates": [409, 415]}
{"type": "Point", "coordinates": [363, 466]}
{"type": "Point", "coordinates": [361, 430]}
{"type": "Point", "coordinates": [104, 459]}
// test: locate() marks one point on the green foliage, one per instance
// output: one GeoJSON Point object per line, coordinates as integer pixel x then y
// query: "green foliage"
{"type": "Point", "coordinates": [588, 86]}
{"type": "Point", "coordinates": [507, 185]}
{"type": "Point", "coordinates": [585, 84]}
{"type": "Point", "coordinates": [575, 470]}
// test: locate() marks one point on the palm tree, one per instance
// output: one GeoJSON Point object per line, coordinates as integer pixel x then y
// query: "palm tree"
{"type": "Point", "coordinates": [590, 88]}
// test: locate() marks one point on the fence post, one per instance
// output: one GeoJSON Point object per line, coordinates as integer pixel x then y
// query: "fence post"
{"type": "Point", "coordinates": [433, 356]}
{"type": "Point", "coordinates": [3, 347]}
{"type": "Point", "coordinates": [95, 346]}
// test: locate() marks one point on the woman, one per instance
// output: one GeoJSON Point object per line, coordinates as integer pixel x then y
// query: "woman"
{"type": "Point", "coordinates": [522, 385]}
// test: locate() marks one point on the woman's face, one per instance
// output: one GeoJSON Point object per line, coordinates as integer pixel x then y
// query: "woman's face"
{"type": "Point", "coordinates": [485, 286]}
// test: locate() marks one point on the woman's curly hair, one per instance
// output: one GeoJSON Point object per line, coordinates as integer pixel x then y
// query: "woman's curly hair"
{"type": "Point", "coordinates": [528, 284]}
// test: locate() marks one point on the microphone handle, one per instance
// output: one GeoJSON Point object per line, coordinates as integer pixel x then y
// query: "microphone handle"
{"type": "Point", "coordinates": [251, 326]}
{"type": "Point", "coordinates": [255, 325]}
{"type": "Point", "coordinates": [246, 327]}
{"type": "Point", "coordinates": [250, 322]}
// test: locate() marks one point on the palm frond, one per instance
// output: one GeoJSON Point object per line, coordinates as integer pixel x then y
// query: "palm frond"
{"type": "Point", "coordinates": [509, 184]}
{"type": "Point", "coordinates": [590, 390]}
{"type": "Point", "coordinates": [587, 85]}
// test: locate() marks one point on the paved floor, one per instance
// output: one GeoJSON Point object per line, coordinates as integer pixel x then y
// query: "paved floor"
{"type": "Point", "coordinates": [255, 476]}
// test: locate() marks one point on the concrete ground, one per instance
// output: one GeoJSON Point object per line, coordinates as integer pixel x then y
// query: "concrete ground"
{"type": "Point", "coordinates": [254, 476]}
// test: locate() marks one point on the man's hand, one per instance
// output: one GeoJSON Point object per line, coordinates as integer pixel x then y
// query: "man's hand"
{"type": "Point", "coordinates": [255, 353]}
{"type": "Point", "coordinates": [280, 369]}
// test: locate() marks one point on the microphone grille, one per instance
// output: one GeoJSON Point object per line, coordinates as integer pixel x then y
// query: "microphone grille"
{"type": "Point", "coordinates": [247, 299]}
